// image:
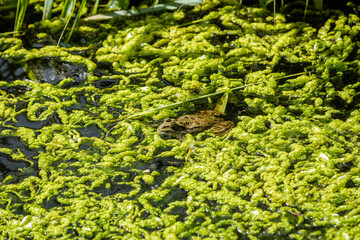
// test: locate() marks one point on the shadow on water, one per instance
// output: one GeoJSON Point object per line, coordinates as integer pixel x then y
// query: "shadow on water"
{"type": "Point", "coordinates": [10, 166]}
{"type": "Point", "coordinates": [7, 163]}
{"type": "Point", "coordinates": [10, 71]}
{"type": "Point", "coordinates": [90, 131]}
{"type": "Point", "coordinates": [46, 70]}
{"type": "Point", "coordinates": [53, 70]}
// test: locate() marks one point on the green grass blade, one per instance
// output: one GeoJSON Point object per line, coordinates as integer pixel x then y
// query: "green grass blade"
{"type": "Point", "coordinates": [47, 9]}
{"type": "Point", "coordinates": [274, 9]}
{"type": "Point", "coordinates": [20, 14]}
{"type": "Point", "coordinates": [66, 24]}
{"type": "Point", "coordinates": [29, 72]}
{"type": "Point", "coordinates": [68, 9]}
{"type": "Point", "coordinates": [82, 5]}
{"type": "Point", "coordinates": [306, 7]}
{"type": "Point", "coordinates": [95, 7]}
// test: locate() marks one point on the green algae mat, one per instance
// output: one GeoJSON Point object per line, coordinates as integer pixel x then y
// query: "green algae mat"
{"type": "Point", "coordinates": [73, 167]}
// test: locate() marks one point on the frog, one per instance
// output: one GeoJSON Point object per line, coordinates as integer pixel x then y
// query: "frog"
{"type": "Point", "coordinates": [194, 123]}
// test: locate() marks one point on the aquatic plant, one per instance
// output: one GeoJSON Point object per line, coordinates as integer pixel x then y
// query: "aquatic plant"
{"type": "Point", "coordinates": [113, 5]}
{"type": "Point", "coordinates": [20, 14]}
{"type": "Point", "coordinates": [288, 169]}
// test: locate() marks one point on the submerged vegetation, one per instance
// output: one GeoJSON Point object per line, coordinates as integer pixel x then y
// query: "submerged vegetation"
{"type": "Point", "coordinates": [287, 170]}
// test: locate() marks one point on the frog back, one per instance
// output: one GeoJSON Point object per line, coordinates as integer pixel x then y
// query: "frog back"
{"type": "Point", "coordinates": [200, 120]}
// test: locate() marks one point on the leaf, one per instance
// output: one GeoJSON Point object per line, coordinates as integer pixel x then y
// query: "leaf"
{"type": "Point", "coordinates": [116, 4]}
{"type": "Point", "coordinates": [68, 9]}
{"type": "Point", "coordinates": [95, 7]}
{"type": "Point", "coordinates": [306, 8]}
{"type": "Point", "coordinates": [29, 72]}
{"type": "Point", "coordinates": [83, 3]}
{"type": "Point", "coordinates": [20, 14]}
{"type": "Point", "coordinates": [222, 103]}
{"type": "Point", "coordinates": [47, 9]}
{"type": "Point", "coordinates": [66, 24]}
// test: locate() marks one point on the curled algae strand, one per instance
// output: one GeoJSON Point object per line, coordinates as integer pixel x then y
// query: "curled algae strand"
{"type": "Point", "coordinates": [289, 169]}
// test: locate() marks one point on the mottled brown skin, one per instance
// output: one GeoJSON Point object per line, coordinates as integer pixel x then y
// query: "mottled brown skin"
{"type": "Point", "coordinates": [196, 122]}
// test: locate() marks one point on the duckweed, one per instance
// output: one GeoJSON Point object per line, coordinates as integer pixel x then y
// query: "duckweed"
{"type": "Point", "coordinates": [288, 170]}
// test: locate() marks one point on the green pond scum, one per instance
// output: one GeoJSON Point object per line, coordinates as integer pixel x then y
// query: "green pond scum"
{"type": "Point", "coordinates": [289, 169]}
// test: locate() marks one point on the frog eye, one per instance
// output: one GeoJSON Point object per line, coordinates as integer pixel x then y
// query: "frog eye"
{"type": "Point", "coordinates": [167, 120]}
